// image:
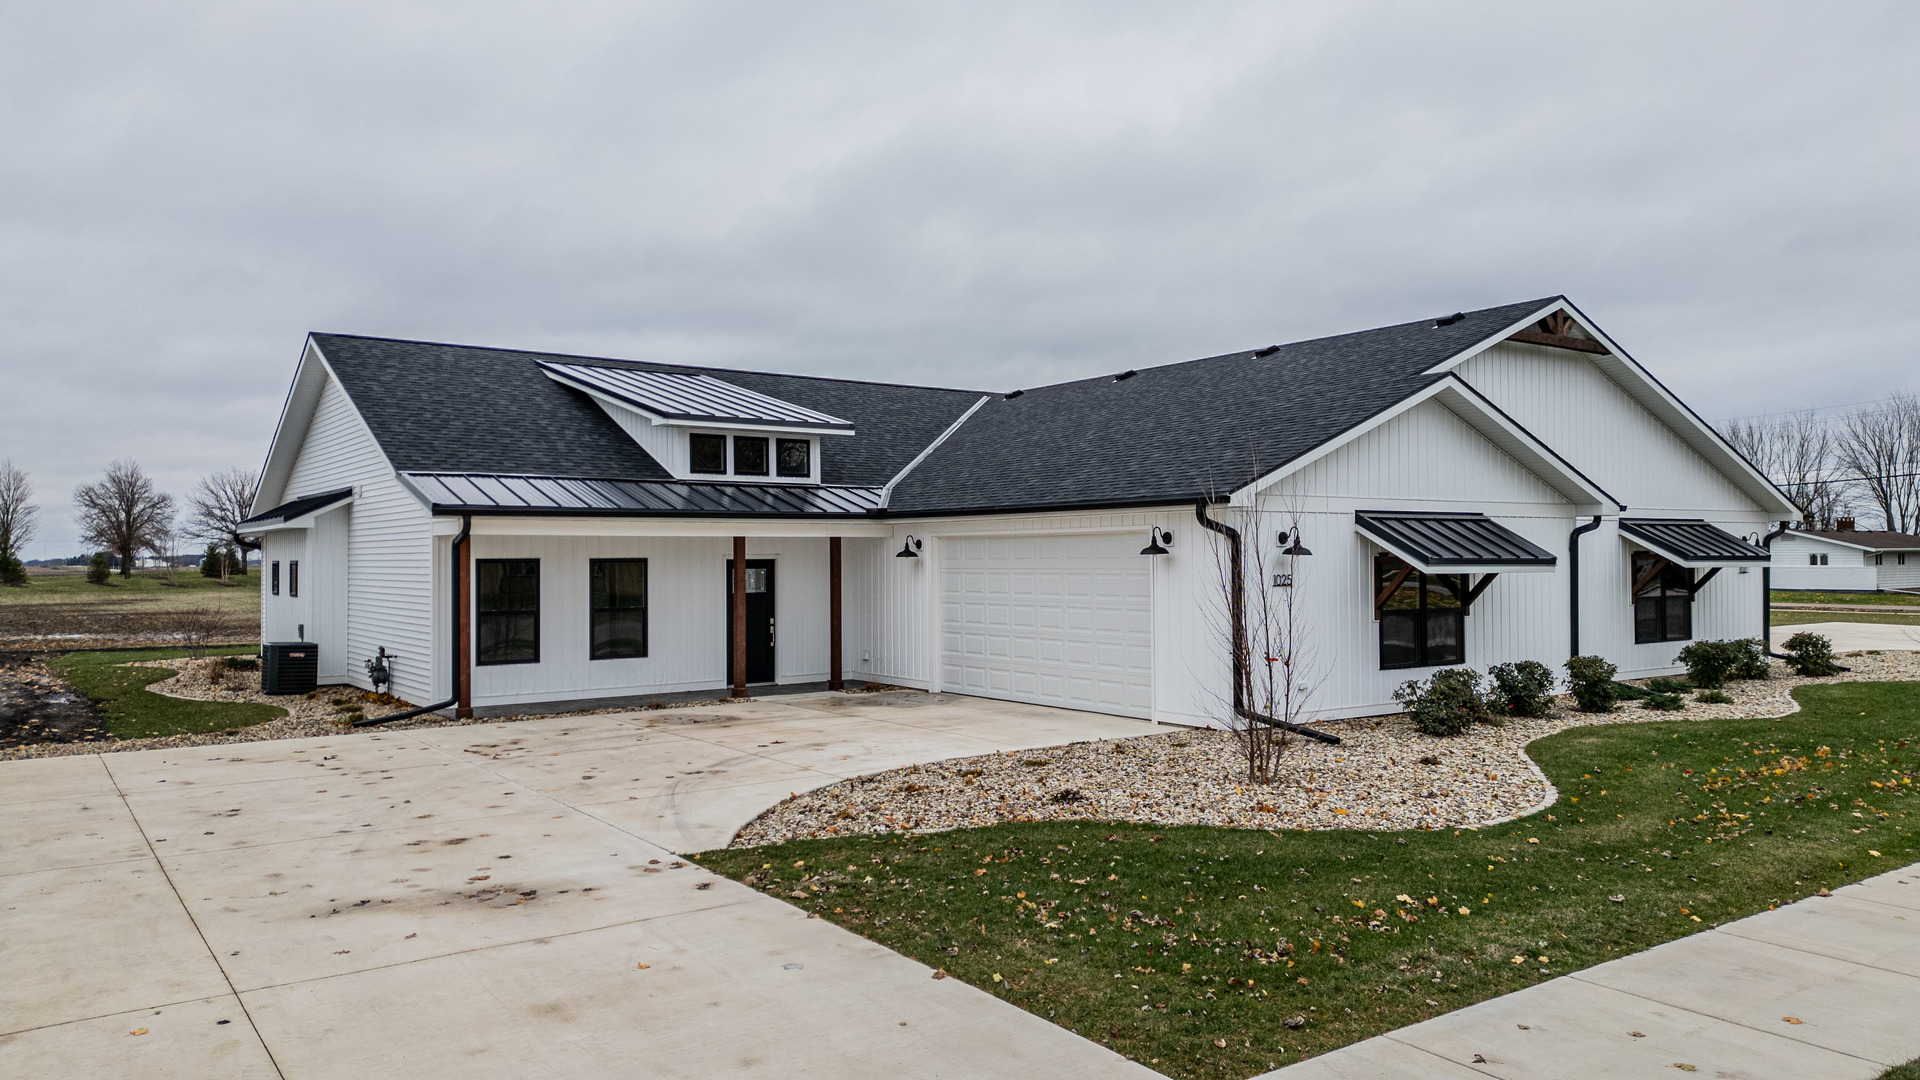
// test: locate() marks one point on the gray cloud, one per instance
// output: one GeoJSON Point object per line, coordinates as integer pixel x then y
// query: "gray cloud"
{"type": "Point", "coordinates": [979, 195]}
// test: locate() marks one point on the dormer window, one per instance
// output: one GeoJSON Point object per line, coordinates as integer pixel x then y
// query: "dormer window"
{"type": "Point", "coordinates": [707, 454]}
{"type": "Point", "coordinates": [796, 458]}
{"type": "Point", "coordinates": [750, 455]}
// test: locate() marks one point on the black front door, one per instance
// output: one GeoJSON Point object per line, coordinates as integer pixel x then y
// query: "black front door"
{"type": "Point", "coordinates": [759, 620]}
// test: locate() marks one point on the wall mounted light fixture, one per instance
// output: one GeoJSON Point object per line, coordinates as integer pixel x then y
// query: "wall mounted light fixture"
{"type": "Point", "coordinates": [1157, 539]}
{"type": "Point", "coordinates": [1296, 547]}
{"type": "Point", "coordinates": [911, 549]}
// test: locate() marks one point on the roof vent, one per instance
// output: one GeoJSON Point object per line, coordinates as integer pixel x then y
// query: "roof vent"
{"type": "Point", "coordinates": [1125, 375]}
{"type": "Point", "coordinates": [1449, 320]}
{"type": "Point", "coordinates": [1268, 351]}
{"type": "Point", "coordinates": [1012, 395]}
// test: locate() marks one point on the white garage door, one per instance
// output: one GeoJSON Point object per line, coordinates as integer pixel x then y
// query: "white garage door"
{"type": "Point", "coordinates": [1055, 620]}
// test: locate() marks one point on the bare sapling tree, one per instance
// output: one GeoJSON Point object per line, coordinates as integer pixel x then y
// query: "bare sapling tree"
{"type": "Point", "coordinates": [17, 524]}
{"type": "Point", "coordinates": [1879, 447]}
{"type": "Point", "coordinates": [1796, 452]}
{"type": "Point", "coordinates": [220, 503]}
{"type": "Point", "coordinates": [122, 513]}
{"type": "Point", "coordinates": [162, 544]}
{"type": "Point", "coordinates": [1265, 632]}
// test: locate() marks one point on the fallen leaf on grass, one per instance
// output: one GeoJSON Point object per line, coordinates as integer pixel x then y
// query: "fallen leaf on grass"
{"type": "Point", "coordinates": [996, 976]}
{"type": "Point", "coordinates": [939, 973]}
{"type": "Point", "coordinates": [1221, 1043]}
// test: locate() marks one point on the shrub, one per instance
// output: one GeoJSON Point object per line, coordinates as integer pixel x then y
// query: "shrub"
{"type": "Point", "coordinates": [1625, 691]}
{"type": "Point", "coordinates": [1664, 702]}
{"type": "Point", "coordinates": [1522, 689]}
{"type": "Point", "coordinates": [1810, 654]}
{"type": "Point", "coordinates": [1713, 697]}
{"type": "Point", "coordinates": [242, 663]}
{"type": "Point", "coordinates": [1448, 703]}
{"type": "Point", "coordinates": [1711, 663]}
{"type": "Point", "coordinates": [99, 569]}
{"type": "Point", "coordinates": [1665, 685]}
{"type": "Point", "coordinates": [1753, 659]}
{"type": "Point", "coordinates": [210, 561]}
{"type": "Point", "coordinates": [1592, 679]}
{"type": "Point", "coordinates": [11, 570]}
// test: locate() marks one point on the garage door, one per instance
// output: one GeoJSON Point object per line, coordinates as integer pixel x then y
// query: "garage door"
{"type": "Point", "coordinates": [1055, 620]}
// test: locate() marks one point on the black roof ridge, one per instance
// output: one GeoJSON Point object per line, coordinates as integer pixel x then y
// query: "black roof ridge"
{"type": "Point", "coordinates": [1282, 348]}
{"type": "Point", "coordinates": [649, 363]}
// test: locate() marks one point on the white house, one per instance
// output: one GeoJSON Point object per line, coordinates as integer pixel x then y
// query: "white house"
{"type": "Point", "coordinates": [524, 528]}
{"type": "Point", "coordinates": [1846, 560]}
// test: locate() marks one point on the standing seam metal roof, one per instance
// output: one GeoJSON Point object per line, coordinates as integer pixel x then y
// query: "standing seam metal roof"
{"type": "Point", "coordinates": [679, 396]}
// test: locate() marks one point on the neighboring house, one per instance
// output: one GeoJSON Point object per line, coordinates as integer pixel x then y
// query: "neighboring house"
{"type": "Point", "coordinates": [1846, 560]}
{"type": "Point", "coordinates": [1451, 478]}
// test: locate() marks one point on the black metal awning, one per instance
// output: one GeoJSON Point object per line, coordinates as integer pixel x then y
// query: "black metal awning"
{"type": "Point", "coordinates": [293, 511]}
{"type": "Point", "coordinates": [1691, 543]}
{"type": "Point", "coordinates": [1436, 543]}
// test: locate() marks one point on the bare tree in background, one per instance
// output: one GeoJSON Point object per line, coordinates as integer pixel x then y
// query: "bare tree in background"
{"type": "Point", "coordinates": [1267, 638]}
{"type": "Point", "coordinates": [123, 513]}
{"type": "Point", "coordinates": [163, 544]}
{"type": "Point", "coordinates": [221, 502]}
{"type": "Point", "coordinates": [1796, 452]}
{"type": "Point", "coordinates": [1879, 447]}
{"type": "Point", "coordinates": [17, 523]}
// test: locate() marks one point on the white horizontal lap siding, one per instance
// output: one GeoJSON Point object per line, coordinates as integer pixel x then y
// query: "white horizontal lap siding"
{"type": "Point", "coordinates": [1427, 459]}
{"type": "Point", "coordinates": [1892, 575]}
{"type": "Point", "coordinates": [1586, 417]}
{"type": "Point", "coordinates": [1844, 571]}
{"type": "Point", "coordinates": [389, 572]}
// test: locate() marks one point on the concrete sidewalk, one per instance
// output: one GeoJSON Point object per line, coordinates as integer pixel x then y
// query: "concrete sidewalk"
{"type": "Point", "coordinates": [1846, 969]}
{"type": "Point", "coordinates": [1854, 636]}
{"type": "Point", "coordinates": [482, 901]}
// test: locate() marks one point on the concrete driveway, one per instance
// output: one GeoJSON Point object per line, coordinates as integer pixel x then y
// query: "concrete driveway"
{"type": "Point", "coordinates": [1852, 636]}
{"type": "Point", "coordinates": [497, 900]}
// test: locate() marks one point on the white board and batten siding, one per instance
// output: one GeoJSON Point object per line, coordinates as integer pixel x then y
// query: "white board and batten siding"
{"type": "Point", "coordinates": [686, 615]}
{"type": "Point", "coordinates": [390, 587]}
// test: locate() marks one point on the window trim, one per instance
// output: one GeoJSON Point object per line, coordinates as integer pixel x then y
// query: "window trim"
{"type": "Point", "coordinates": [293, 577]}
{"type": "Point", "coordinates": [480, 616]}
{"type": "Point", "coordinates": [726, 459]}
{"type": "Point", "coordinates": [646, 603]}
{"type": "Point", "coordinates": [779, 460]}
{"type": "Point", "coordinates": [1454, 583]}
{"type": "Point", "coordinates": [1665, 591]}
{"type": "Point", "coordinates": [766, 459]}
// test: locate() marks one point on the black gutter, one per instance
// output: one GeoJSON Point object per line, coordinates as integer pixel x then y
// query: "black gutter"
{"type": "Point", "coordinates": [1237, 605]}
{"type": "Point", "coordinates": [1573, 585]}
{"type": "Point", "coordinates": [1766, 595]}
{"type": "Point", "coordinates": [466, 529]}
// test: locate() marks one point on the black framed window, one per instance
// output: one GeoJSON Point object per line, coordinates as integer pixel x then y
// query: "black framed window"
{"type": "Point", "coordinates": [293, 578]}
{"type": "Point", "coordinates": [750, 455]}
{"type": "Point", "coordinates": [508, 604]}
{"type": "Point", "coordinates": [276, 577]}
{"type": "Point", "coordinates": [618, 606]}
{"type": "Point", "coordinates": [796, 457]}
{"type": "Point", "coordinates": [1423, 620]}
{"type": "Point", "coordinates": [707, 453]}
{"type": "Point", "coordinates": [1663, 606]}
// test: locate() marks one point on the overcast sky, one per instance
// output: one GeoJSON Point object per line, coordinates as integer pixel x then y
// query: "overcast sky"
{"type": "Point", "coordinates": [979, 195]}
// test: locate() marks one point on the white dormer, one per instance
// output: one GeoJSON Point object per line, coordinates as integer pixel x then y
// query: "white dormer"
{"type": "Point", "coordinates": [702, 428]}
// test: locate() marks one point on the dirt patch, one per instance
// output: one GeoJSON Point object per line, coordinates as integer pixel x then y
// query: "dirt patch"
{"type": "Point", "coordinates": [37, 705]}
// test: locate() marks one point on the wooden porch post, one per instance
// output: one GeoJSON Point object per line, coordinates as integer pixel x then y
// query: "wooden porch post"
{"type": "Point", "coordinates": [739, 616]}
{"type": "Point", "coordinates": [834, 680]}
{"type": "Point", "coordinates": [463, 599]}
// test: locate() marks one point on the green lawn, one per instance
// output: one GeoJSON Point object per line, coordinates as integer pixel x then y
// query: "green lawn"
{"type": "Point", "coordinates": [71, 588]}
{"type": "Point", "coordinates": [1807, 596]}
{"type": "Point", "coordinates": [1909, 1071]}
{"type": "Point", "coordinates": [1795, 618]}
{"type": "Point", "coordinates": [1189, 948]}
{"type": "Point", "coordinates": [131, 711]}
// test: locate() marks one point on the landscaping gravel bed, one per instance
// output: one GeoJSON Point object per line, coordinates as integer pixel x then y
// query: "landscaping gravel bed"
{"type": "Point", "coordinates": [1376, 779]}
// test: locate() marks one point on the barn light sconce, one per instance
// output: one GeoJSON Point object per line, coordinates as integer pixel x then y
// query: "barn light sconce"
{"type": "Point", "coordinates": [1294, 548]}
{"type": "Point", "coordinates": [911, 549]}
{"type": "Point", "coordinates": [1157, 539]}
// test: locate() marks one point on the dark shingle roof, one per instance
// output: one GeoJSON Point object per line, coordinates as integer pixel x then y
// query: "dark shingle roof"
{"type": "Point", "coordinates": [1864, 538]}
{"type": "Point", "coordinates": [1185, 430]}
{"type": "Point", "coordinates": [1164, 434]}
{"type": "Point", "coordinates": [462, 409]}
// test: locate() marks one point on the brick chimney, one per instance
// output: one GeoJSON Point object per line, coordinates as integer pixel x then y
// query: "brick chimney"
{"type": "Point", "coordinates": [1843, 524]}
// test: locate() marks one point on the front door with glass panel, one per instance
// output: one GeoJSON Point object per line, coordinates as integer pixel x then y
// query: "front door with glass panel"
{"type": "Point", "coordinates": [760, 629]}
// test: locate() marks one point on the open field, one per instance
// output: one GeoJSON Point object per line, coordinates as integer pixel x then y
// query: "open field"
{"type": "Point", "coordinates": [60, 610]}
{"type": "Point", "coordinates": [1806, 596]}
{"type": "Point", "coordinates": [1189, 948]}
